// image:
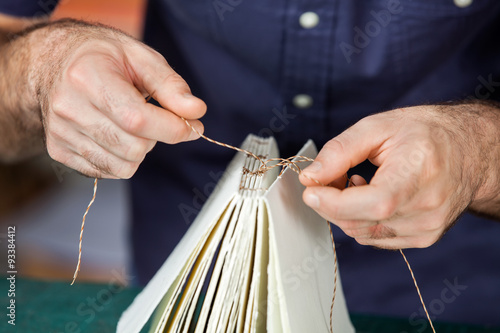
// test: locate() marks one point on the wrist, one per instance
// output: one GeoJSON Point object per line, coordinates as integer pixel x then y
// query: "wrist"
{"type": "Point", "coordinates": [477, 132]}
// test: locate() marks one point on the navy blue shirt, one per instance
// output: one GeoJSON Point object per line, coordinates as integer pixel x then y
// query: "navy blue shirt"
{"type": "Point", "coordinates": [250, 59]}
{"type": "Point", "coordinates": [27, 8]}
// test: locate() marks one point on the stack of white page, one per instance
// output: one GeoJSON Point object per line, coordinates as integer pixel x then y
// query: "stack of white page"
{"type": "Point", "coordinates": [256, 259]}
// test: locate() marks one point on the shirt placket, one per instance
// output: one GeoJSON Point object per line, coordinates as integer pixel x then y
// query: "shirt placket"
{"type": "Point", "coordinates": [307, 62]}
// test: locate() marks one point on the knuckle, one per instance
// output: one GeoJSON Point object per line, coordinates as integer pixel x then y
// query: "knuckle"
{"type": "Point", "coordinates": [433, 167]}
{"type": "Point", "coordinates": [133, 121]}
{"type": "Point", "coordinates": [99, 161]}
{"type": "Point", "coordinates": [335, 145]}
{"type": "Point", "coordinates": [137, 150]}
{"type": "Point", "coordinates": [77, 72]}
{"type": "Point", "coordinates": [58, 104]}
{"type": "Point", "coordinates": [53, 151]}
{"type": "Point", "coordinates": [91, 171]}
{"type": "Point", "coordinates": [173, 78]}
{"type": "Point", "coordinates": [127, 170]}
{"type": "Point", "coordinates": [165, 76]}
{"type": "Point", "coordinates": [384, 209]}
{"type": "Point", "coordinates": [106, 134]}
{"type": "Point", "coordinates": [368, 122]}
{"type": "Point", "coordinates": [61, 107]}
{"type": "Point", "coordinates": [159, 59]}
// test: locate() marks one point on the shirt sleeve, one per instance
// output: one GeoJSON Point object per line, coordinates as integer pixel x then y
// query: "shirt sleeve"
{"type": "Point", "coordinates": [27, 8]}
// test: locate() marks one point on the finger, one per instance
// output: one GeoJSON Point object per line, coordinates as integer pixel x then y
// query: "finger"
{"type": "Point", "coordinates": [124, 104]}
{"type": "Point", "coordinates": [352, 225]}
{"type": "Point", "coordinates": [416, 223]}
{"type": "Point", "coordinates": [357, 180]}
{"type": "Point", "coordinates": [154, 75]}
{"type": "Point", "coordinates": [427, 228]}
{"type": "Point", "coordinates": [64, 148]}
{"type": "Point", "coordinates": [59, 151]}
{"type": "Point", "coordinates": [377, 230]}
{"type": "Point", "coordinates": [339, 183]}
{"type": "Point", "coordinates": [353, 146]}
{"type": "Point", "coordinates": [366, 203]}
{"type": "Point", "coordinates": [84, 167]}
{"type": "Point", "coordinates": [386, 244]}
{"type": "Point", "coordinates": [107, 134]}
{"type": "Point", "coordinates": [100, 129]}
{"type": "Point", "coordinates": [107, 163]}
{"type": "Point", "coordinates": [162, 125]}
{"type": "Point", "coordinates": [119, 143]}
{"type": "Point", "coordinates": [387, 194]}
{"type": "Point", "coordinates": [397, 243]}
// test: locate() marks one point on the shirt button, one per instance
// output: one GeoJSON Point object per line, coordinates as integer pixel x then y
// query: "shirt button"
{"type": "Point", "coordinates": [302, 101]}
{"type": "Point", "coordinates": [309, 20]}
{"type": "Point", "coordinates": [462, 3]}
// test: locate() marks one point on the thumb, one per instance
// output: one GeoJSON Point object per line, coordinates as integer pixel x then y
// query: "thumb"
{"type": "Point", "coordinates": [353, 146]}
{"type": "Point", "coordinates": [154, 76]}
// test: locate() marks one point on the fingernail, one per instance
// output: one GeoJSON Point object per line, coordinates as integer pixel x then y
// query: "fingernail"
{"type": "Point", "coordinates": [195, 135]}
{"type": "Point", "coordinates": [314, 167]}
{"type": "Point", "coordinates": [312, 200]}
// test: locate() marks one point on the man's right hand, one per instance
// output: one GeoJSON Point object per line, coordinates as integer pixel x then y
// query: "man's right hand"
{"type": "Point", "coordinates": [90, 83]}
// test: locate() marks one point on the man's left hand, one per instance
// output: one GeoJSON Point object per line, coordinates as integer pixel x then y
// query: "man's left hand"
{"type": "Point", "coordinates": [433, 163]}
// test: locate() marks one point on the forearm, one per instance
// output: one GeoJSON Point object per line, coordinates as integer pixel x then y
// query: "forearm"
{"type": "Point", "coordinates": [20, 123]}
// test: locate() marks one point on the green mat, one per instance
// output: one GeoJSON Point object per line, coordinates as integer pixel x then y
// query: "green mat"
{"type": "Point", "coordinates": [57, 307]}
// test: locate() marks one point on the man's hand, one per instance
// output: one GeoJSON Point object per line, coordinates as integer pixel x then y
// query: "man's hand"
{"type": "Point", "coordinates": [90, 84]}
{"type": "Point", "coordinates": [434, 163]}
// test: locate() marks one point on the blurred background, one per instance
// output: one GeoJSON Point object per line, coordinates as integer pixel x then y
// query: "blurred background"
{"type": "Point", "coordinates": [46, 201]}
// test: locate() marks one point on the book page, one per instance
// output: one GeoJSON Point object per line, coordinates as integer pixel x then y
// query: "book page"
{"type": "Point", "coordinates": [256, 313]}
{"type": "Point", "coordinates": [181, 259]}
{"type": "Point", "coordinates": [304, 265]}
{"type": "Point", "coordinates": [244, 248]}
{"type": "Point", "coordinates": [190, 293]}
